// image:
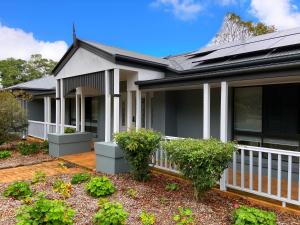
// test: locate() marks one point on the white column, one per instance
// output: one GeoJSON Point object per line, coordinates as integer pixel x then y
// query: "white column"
{"type": "Point", "coordinates": [45, 116]}
{"type": "Point", "coordinates": [129, 110]}
{"type": "Point", "coordinates": [48, 114]}
{"type": "Point", "coordinates": [62, 108]}
{"type": "Point", "coordinates": [206, 111]}
{"type": "Point", "coordinates": [116, 100]}
{"type": "Point", "coordinates": [57, 113]}
{"type": "Point", "coordinates": [223, 125]}
{"type": "Point", "coordinates": [138, 109]}
{"type": "Point", "coordinates": [77, 105]}
{"type": "Point", "coordinates": [82, 112]}
{"type": "Point", "coordinates": [107, 108]}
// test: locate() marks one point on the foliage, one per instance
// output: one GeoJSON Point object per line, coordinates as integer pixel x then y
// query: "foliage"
{"type": "Point", "coordinates": [44, 146]}
{"type": "Point", "coordinates": [70, 130]}
{"type": "Point", "coordinates": [14, 71]}
{"type": "Point", "coordinates": [100, 186]}
{"type": "Point", "coordinates": [28, 148]}
{"type": "Point", "coordinates": [184, 217]}
{"type": "Point", "coordinates": [201, 161]}
{"type": "Point", "coordinates": [102, 201]}
{"type": "Point", "coordinates": [111, 213]}
{"type": "Point", "coordinates": [252, 216]}
{"type": "Point", "coordinates": [172, 187]}
{"type": "Point", "coordinates": [131, 192]}
{"type": "Point", "coordinates": [18, 190]}
{"type": "Point", "coordinates": [79, 178]}
{"type": "Point", "coordinates": [39, 177]}
{"type": "Point", "coordinates": [5, 154]}
{"type": "Point", "coordinates": [234, 29]}
{"type": "Point", "coordinates": [138, 147]}
{"type": "Point", "coordinates": [45, 211]}
{"type": "Point", "coordinates": [147, 218]}
{"type": "Point", "coordinates": [62, 187]}
{"type": "Point", "coordinates": [12, 117]}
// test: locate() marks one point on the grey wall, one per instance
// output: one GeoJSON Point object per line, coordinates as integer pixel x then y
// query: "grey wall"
{"type": "Point", "coordinates": [35, 110]}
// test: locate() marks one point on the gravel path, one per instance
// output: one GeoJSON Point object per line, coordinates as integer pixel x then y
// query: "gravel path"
{"type": "Point", "coordinates": [213, 209]}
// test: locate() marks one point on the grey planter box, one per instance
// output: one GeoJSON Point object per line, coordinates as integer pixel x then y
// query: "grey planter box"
{"type": "Point", "coordinates": [110, 158]}
{"type": "Point", "coordinates": [66, 144]}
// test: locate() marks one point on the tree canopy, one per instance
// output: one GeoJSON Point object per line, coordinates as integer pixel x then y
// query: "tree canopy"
{"type": "Point", "coordinates": [14, 71]}
{"type": "Point", "coordinates": [234, 28]}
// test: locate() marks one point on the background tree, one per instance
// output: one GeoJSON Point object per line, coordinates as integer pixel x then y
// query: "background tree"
{"type": "Point", "coordinates": [14, 71]}
{"type": "Point", "coordinates": [235, 29]}
{"type": "Point", "coordinates": [12, 117]}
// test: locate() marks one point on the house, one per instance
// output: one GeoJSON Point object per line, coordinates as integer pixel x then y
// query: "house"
{"type": "Point", "coordinates": [247, 91]}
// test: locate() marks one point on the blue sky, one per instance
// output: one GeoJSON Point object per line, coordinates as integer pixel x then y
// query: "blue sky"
{"type": "Point", "coordinates": [155, 27]}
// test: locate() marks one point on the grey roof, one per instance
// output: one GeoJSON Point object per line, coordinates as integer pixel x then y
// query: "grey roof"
{"type": "Point", "coordinates": [47, 82]}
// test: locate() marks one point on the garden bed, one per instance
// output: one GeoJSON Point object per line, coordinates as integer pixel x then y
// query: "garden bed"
{"type": "Point", "coordinates": [213, 209]}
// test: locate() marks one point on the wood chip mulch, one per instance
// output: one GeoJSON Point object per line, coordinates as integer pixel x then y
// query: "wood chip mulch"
{"type": "Point", "coordinates": [212, 209]}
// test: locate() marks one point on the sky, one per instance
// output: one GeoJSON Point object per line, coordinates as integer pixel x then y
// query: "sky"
{"type": "Point", "coordinates": [155, 27]}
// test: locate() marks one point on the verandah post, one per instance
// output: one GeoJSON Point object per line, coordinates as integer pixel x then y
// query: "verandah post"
{"type": "Point", "coordinates": [116, 100]}
{"type": "Point", "coordinates": [107, 107]}
{"type": "Point", "coordinates": [57, 113]}
{"type": "Point", "coordinates": [62, 108]}
{"type": "Point", "coordinates": [206, 111]}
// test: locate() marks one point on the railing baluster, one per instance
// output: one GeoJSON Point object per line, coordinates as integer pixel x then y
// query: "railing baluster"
{"type": "Point", "coordinates": [166, 160]}
{"type": "Point", "coordinates": [251, 170]}
{"type": "Point", "coordinates": [289, 191]}
{"type": "Point", "coordinates": [161, 158]}
{"type": "Point", "coordinates": [242, 168]}
{"type": "Point", "coordinates": [234, 169]}
{"type": "Point", "coordinates": [259, 170]}
{"type": "Point", "coordinates": [279, 176]}
{"type": "Point", "coordinates": [156, 157]}
{"type": "Point", "coordinates": [269, 172]}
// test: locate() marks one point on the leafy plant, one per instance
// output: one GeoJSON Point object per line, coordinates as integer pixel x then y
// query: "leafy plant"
{"type": "Point", "coordinates": [184, 217]}
{"type": "Point", "coordinates": [62, 187]}
{"type": "Point", "coordinates": [131, 192]}
{"type": "Point", "coordinates": [111, 213]}
{"type": "Point", "coordinates": [172, 187]}
{"type": "Point", "coordinates": [28, 149]}
{"type": "Point", "coordinates": [18, 190]}
{"type": "Point", "coordinates": [5, 154]}
{"type": "Point", "coordinates": [201, 161]}
{"type": "Point", "coordinates": [44, 146]}
{"type": "Point", "coordinates": [102, 201]}
{"type": "Point", "coordinates": [70, 130]}
{"type": "Point", "coordinates": [45, 211]}
{"type": "Point", "coordinates": [147, 218]}
{"type": "Point", "coordinates": [138, 147]}
{"type": "Point", "coordinates": [39, 176]}
{"type": "Point", "coordinates": [79, 178]}
{"type": "Point", "coordinates": [252, 216]}
{"type": "Point", "coordinates": [100, 186]}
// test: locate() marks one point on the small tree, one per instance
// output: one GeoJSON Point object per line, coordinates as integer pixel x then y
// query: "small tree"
{"type": "Point", "coordinates": [138, 147]}
{"type": "Point", "coordinates": [12, 117]}
{"type": "Point", "coordinates": [201, 161]}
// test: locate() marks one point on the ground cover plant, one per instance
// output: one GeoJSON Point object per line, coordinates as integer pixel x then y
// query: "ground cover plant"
{"type": "Point", "coordinates": [147, 218]}
{"type": "Point", "coordinates": [184, 217]}
{"type": "Point", "coordinates": [62, 187]}
{"type": "Point", "coordinates": [138, 147]}
{"type": "Point", "coordinates": [79, 178]}
{"type": "Point", "coordinates": [5, 154]}
{"type": "Point", "coordinates": [18, 190]}
{"type": "Point", "coordinates": [100, 186]}
{"type": "Point", "coordinates": [39, 176]}
{"type": "Point", "coordinates": [28, 148]}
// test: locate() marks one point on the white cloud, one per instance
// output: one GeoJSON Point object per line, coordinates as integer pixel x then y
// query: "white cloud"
{"type": "Point", "coordinates": [182, 9]}
{"type": "Point", "coordinates": [281, 13]}
{"type": "Point", "coordinates": [17, 43]}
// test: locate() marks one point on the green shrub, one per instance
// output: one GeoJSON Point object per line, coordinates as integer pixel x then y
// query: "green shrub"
{"type": "Point", "coordinates": [44, 146]}
{"type": "Point", "coordinates": [111, 213]}
{"type": "Point", "coordinates": [147, 218]}
{"type": "Point", "coordinates": [79, 178]}
{"type": "Point", "coordinates": [45, 211]}
{"type": "Point", "coordinates": [201, 161]}
{"type": "Point", "coordinates": [70, 130]}
{"type": "Point", "coordinates": [28, 149]}
{"type": "Point", "coordinates": [39, 176]}
{"type": "Point", "coordinates": [172, 187]}
{"type": "Point", "coordinates": [18, 190]}
{"type": "Point", "coordinates": [184, 217]}
{"type": "Point", "coordinates": [62, 187]}
{"type": "Point", "coordinates": [5, 154]}
{"type": "Point", "coordinates": [100, 186]}
{"type": "Point", "coordinates": [131, 192]}
{"type": "Point", "coordinates": [252, 216]}
{"type": "Point", "coordinates": [138, 147]}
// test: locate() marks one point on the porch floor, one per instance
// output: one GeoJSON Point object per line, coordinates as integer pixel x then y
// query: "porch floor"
{"type": "Point", "coordinates": [86, 159]}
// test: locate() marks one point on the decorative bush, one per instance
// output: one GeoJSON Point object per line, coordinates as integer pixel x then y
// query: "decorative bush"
{"type": "Point", "coordinates": [39, 176]}
{"type": "Point", "coordinates": [202, 161]}
{"type": "Point", "coordinates": [184, 217]}
{"type": "Point", "coordinates": [18, 190]}
{"type": "Point", "coordinates": [252, 216]}
{"type": "Point", "coordinates": [70, 130]}
{"type": "Point", "coordinates": [62, 187]}
{"type": "Point", "coordinates": [28, 149]}
{"type": "Point", "coordinates": [147, 218]}
{"type": "Point", "coordinates": [44, 146]}
{"type": "Point", "coordinates": [111, 213]}
{"type": "Point", "coordinates": [45, 211]}
{"type": "Point", "coordinates": [5, 154]}
{"type": "Point", "coordinates": [100, 186]}
{"type": "Point", "coordinates": [79, 178]}
{"type": "Point", "coordinates": [138, 147]}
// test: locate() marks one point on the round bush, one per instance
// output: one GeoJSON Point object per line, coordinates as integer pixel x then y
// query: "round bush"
{"type": "Point", "coordinates": [111, 213]}
{"type": "Point", "coordinates": [18, 190]}
{"type": "Point", "coordinates": [138, 147]}
{"type": "Point", "coordinates": [5, 154]}
{"type": "Point", "coordinates": [100, 186]}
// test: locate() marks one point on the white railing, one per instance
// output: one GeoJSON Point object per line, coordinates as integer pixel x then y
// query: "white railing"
{"type": "Point", "coordinates": [265, 172]}
{"type": "Point", "coordinates": [41, 129]}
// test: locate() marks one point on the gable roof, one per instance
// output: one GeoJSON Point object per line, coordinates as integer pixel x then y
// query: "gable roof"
{"type": "Point", "coordinates": [45, 83]}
